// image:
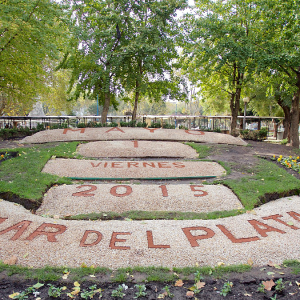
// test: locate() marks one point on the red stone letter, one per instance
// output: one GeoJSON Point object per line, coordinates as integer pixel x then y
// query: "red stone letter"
{"type": "Point", "coordinates": [2, 220]}
{"type": "Point", "coordinates": [86, 234]}
{"type": "Point", "coordinates": [294, 215]}
{"type": "Point", "coordinates": [135, 144]}
{"type": "Point", "coordinates": [163, 165]}
{"type": "Point", "coordinates": [145, 164]}
{"type": "Point", "coordinates": [82, 130]}
{"type": "Point", "coordinates": [257, 226]}
{"type": "Point", "coordinates": [97, 165]}
{"type": "Point", "coordinates": [114, 240]}
{"type": "Point", "coordinates": [132, 164]}
{"type": "Point", "coordinates": [85, 193]}
{"type": "Point", "coordinates": [202, 193]}
{"type": "Point", "coordinates": [178, 165]}
{"type": "Point", "coordinates": [20, 227]}
{"type": "Point", "coordinates": [150, 241]}
{"type": "Point", "coordinates": [115, 129]}
{"type": "Point", "coordinates": [235, 240]}
{"type": "Point", "coordinates": [195, 132]}
{"type": "Point", "coordinates": [50, 234]}
{"type": "Point", "coordinates": [276, 218]}
{"type": "Point", "coordinates": [193, 239]}
{"type": "Point", "coordinates": [128, 188]}
{"type": "Point", "coordinates": [116, 165]}
{"type": "Point", "coordinates": [151, 129]}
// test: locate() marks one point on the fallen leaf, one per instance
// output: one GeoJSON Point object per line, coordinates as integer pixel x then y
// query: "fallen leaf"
{"type": "Point", "coordinates": [12, 296]}
{"type": "Point", "coordinates": [221, 264]}
{"type": "Point", "coordinates": [162, 296]}
{"type": "Point", "coordinates": [76, 283]}
{"type": "Point", "coordinates": [270, 273]}
{"type": "Point", "coordinates": [248, 295]}
{"type": "Point", "coordinates": [250, 262]}
{"type": "Point", "coordinates": [190, 294]}
{"type": "Point", "coordinates": [38, 285]}
{"type": "Point", "coordinates": [200, 285]}
{"type": "Point", "coordinates": [65, 276]}
{"type": "Point", "coordinates": [192, 288]}
{"type": "Point", "coordinates": [292, 294]}
{"type": "Point", "coordinates": [93, 276]}
{"type": "Point", "coordinates": [270, 264]}
{"type": "Point", "coordinates": [179, 283]}
{"type": "Point", "coordinates": [268, 284]}
{"type": "Point", "coordinates": [298, 283]}
{"type": "Point", "coordinates": [11, 261]}
{"type": "Point", "coordinates": [25, 255]}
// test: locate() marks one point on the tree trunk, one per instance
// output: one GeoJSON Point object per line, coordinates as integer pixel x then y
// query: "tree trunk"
{"type": "Point", "coordinates": [287, 118]}
{"type": "Point", "coordinates": [105, 108]}
{"type": "Point", "coordinates": [235, 99]}
{"type": "Point", "coordinates": [136, 99]}
{"type": "Point", "coordinates": [295, 120]}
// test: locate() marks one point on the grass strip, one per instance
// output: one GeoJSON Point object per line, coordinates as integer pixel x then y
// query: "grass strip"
{"type": "Point", "coordinates": [266, 182]}
{"type": "Point", "coordinates": [155, 215]}
{"type": "Point", "coordinates": [157, 274]}
{"type": "Point", "coordinates": [293, 264]}
{"type": "Point", "coordinates": [22, 175]}
{"type": "Point", "coordinates": [202, 150]}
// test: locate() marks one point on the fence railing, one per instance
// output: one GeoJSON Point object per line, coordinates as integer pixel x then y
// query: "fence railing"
{"type": "Point", "coordinates": [217, 123]}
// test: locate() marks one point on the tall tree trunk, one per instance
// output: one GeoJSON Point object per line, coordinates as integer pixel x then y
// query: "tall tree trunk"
{"type": "Point", "coordinates": [105, 108]}
{"type": "Point", "coordinates": [295, 120]}
{"type": "Point", "coordinates": [287, 118]}
{"type": "Point", "coordinates": [136, 99]}
{"type": "Point", "coordinates": [235, 98]}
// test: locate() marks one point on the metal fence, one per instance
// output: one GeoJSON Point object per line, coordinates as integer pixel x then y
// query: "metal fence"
{"type": "Point", "coordinates": [215, 123]}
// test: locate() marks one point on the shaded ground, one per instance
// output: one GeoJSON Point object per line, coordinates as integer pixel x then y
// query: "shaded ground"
{"type": "Point", "coordinates": [245, 284]}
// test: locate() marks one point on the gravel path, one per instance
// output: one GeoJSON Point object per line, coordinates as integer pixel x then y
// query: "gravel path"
{"type": "Point", "coordinates": [136, 149]}
{"type": "Point", "coordinates": [267, 233]}
{"type": "Point", "coordinates": [88, 198]}
{"type": "Point", "coordinates": [117, 133]}
{"type": "Point", "coordinates": [93, 169]}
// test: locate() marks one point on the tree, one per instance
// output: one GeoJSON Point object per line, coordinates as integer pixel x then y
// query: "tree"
{"type": "Point", "coordinates": [277, 48]}
{"type": "Point", "coordinates": [99, 35]}
{"type": "Point", "coordinates": [150, 54]}
{"type": "Point", "coordinates": [219, 46]}
{"type": "Point", "coordinates": [30, 31]}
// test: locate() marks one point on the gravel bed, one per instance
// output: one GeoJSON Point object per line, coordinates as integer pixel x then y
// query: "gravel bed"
{"type": "Point", "coordinates": [38, 241]}
{"type": "Point", "coordinates": [80, 199]}
{"type": "Point", "coordinates": [117, 133]}
{"type": "Point", "coordinates": [136, 149]}
{"type": "Point", "coordinates": [92, 169]}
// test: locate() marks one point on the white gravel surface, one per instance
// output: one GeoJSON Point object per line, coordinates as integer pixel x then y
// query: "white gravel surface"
{"type": "Point", "coordinates": [136, 149]}
{"type": "Point", "coordinates": [87, 198]}
{"type": "Point", "coordinates": [121, 133]}
{"type": "Point", "coordinates": [131, 169]}
{"type": "Point", "coordinates": [117, 244]}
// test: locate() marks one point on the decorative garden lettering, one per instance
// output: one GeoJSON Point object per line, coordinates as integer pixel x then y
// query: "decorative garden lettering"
{"type": "Point", "coordinates": [118, 129]}
{"type": "Point", "coordinates": [115, 190]}
{"type": "Point", "coordinates": [119, 240]}
{"type": "Point", "coordinates": [128, 165]}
